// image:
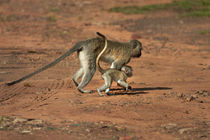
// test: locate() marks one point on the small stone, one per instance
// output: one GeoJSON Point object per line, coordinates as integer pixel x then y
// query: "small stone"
{"type": "Point", "coordinates": [119, 128]}
{"type": "Point", "coordinates": [194, 96]}
{"type": "Point", "coordinates": [25, 131]}
{"type": "Point", "coordinates": [172, 92]}
{"type": "Point", "coordinates": [188, 99]}
{"type": "Point", "coordinates": [87, 130]}
{"type": "Point", "coordinates": [191, 98]}
{"type": "Point", "coordinates": [169, 126]}
{"type": "Point", "coordinates": [180, 95]}
{"type": "Point", "coordinates": [35, 122]}
{"type": "Point", "coordinates": [37, 128]}
{"type": "Point", "coordinates": [70, 131]}
{"type": "Point", "coordinates": [205, 93]}
{"type": "Point", "coordinates": [202, 92]}
{"type": "Point", "coordinates": [19, 120]}
{"type": "Point", "coordinates": [184, 130]}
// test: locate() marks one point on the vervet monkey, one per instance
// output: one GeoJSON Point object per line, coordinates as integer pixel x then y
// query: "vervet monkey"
{"type": "Point", "coordinates": [111, 74]}
{"type": "Point", "coordinates": [117, 54]}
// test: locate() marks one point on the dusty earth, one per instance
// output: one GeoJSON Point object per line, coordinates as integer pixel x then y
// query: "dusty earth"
{"type": "Point", "coordinates": [170, 98]}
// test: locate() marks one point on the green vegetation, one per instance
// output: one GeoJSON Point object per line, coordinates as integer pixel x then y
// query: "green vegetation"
{"type": "Point", "coordinates": [3, 118]}
{"type": "Point", "coordinates": [54, 9]}
{"type": "Point", "coordinates": [76, 124]}
{"type": "Point", "coordinates": [194, 8]}
{"type": "Point", "coordinates": [82, 124]}
{"type": "Point", "coordinates": [136, 9]}
{"type": "Point", "coordinates": [48, 128]}
{"type": "Point", "coordinates": [4, 18]}
{"type": "Point", "coordinates": [51, 18]}
{"type": "Point", "coordinates": [204, 32]}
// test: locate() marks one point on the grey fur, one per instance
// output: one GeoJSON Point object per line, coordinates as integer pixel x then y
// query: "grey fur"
{"type": "Point", "coordinates": [87, 51]}
{"type": "Point", "coordinates": [112, 74]}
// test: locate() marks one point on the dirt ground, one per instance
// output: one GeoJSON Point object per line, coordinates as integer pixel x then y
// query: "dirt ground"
{"type": "Point", "coordinates": [170, 98]}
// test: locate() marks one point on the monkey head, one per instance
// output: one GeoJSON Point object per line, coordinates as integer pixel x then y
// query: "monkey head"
{"type": "Point", "coordinates": [128, 70]}
{"type": "Point", "coordinates": [136, 48]}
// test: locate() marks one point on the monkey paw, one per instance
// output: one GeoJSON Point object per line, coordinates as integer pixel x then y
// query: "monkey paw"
{"type": "Point", "coordinates": [129, 88]}
{"type": "Point", "coordinates": [109, 94]}
{"type": "Point", "coordinates": [76, 84]}
{"type": "Point", "coordinates": [85, 91]}
{"type": "Point", "coordinates": [99, 92]}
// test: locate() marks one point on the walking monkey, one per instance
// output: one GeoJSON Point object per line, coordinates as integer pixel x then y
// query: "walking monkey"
{"type": "Point", "coordinates": [111, 74]}
{"type": "Point", "coordinates": [117, 54]}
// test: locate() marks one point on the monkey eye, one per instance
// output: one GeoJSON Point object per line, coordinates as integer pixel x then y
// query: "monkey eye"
{"type": "Point", "coordinates": [134, 45]}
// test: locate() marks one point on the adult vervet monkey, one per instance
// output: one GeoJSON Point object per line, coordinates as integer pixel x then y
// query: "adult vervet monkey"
{"type": "Point", "coordinates": [110, 75]}
{"type": "Point", "coordinates": [117, 54]}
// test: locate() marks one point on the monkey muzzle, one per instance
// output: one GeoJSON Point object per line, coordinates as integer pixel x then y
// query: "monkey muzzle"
{"type": "Point", "coordinates": [139, 54]}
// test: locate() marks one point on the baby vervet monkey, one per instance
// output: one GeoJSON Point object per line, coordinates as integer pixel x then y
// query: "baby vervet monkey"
{"type": "Point", "coordinates": [111, 74]}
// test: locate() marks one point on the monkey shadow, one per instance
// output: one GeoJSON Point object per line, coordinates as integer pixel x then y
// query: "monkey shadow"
{"type": "Point", "coordinates": [135, 91]}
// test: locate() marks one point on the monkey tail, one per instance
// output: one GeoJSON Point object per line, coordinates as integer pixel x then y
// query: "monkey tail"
{"type": "Point", "coordinates": [100, 54]}
{"type": "Point", "coordinates": [77, 47]}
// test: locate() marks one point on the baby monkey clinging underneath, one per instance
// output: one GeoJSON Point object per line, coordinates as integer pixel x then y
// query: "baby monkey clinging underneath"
{"type": "Point", "coordinates": [112, 74]}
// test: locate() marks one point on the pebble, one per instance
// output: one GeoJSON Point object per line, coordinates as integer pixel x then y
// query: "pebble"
{"type": "Point", "coordinates": [184, 130]}
{"type": "Point", "coordinates": [169, 125]}
{"type": "Point", "coordinates": [20, 120]}
{"type": "Point", "coordinates": [87, 130]}
{"type": "Point", "coordinates": [191, 98]}
{"type": "Point", "coordinates": [35, 122]}
{"type": "Point", "coordinates": [37, 128]}
{"type": "Point", "coordinates": [26, 131]}
{"type": "Point", "coordinates": [180, 95]}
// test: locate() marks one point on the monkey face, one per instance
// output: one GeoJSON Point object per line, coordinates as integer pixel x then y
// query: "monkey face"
{"type": "Point", "coordinates": [128, 70]}
{"type": "Point", "coordinates": [136, 48]}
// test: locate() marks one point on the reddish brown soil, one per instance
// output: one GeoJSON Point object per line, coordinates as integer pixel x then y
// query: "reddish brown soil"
{"type": "Point", "coordinates": [171, 81]}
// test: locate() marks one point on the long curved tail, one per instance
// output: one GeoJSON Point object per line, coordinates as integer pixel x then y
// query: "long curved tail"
{"type": "Point", "coordinates": [75, 48]}
{"type": "Point", "coordinates": [101, 53]}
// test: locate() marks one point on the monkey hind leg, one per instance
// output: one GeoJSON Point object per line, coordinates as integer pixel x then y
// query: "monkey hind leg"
{"type": "Point", "coordinates": [123, 84]}
{"type": "Point", "coordinates": [87, 76]}
{"type": "Point", "coordinates": [102, 88]}
{"type": "Point", "coordinates": [77, 75]}
{"type": "Point", "coordinates": [106, 86]}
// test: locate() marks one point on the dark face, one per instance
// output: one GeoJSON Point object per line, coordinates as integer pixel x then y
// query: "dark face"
{"type": "Point", "coordinates": [129, 74]}
{"type": "Point", "coordinates": [139, 54]}
{"type": "Point", "coordinates": [137, 48]}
